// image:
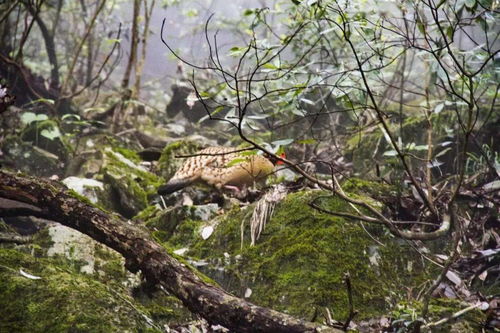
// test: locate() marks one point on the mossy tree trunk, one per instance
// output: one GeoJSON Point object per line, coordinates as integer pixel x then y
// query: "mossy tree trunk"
{"type": "Point", "coordinates": [22, 195]}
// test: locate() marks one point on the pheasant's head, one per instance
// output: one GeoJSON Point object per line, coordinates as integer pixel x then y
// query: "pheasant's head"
{"type": "Point", "coordinates": [274, 160]}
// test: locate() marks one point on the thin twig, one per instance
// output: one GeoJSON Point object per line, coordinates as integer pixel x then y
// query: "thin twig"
{"type": "Point", "coordinates": [352, 312]}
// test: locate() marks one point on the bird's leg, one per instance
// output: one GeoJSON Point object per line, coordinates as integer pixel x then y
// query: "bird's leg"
{"type": "Point", "coordinates": [239, 193]}
{"type": "Point", "coordinates": [232, 188]}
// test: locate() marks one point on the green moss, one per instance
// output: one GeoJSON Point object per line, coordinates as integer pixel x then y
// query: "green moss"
{"type": "Point", "coordinates": [163, 223]}
{"type": "Point", "coordinates": [129, 154]}
{"type": "Point", "coordinates": [165, 309]}
{"type": "Point", "coordinates": [42, 241]}
{"type": "Point", "coordinates": [175, 226]}
{"type": "Point", "coordinates": [148, 213]}
{"type": "Point", "coordinates": [131, 184]}
{"type": "Point", "coordinates": [299, 262]}
{"type": "Point", "coordinates": [186, 233]}
{"type": "Point", "coordinates": [147, 180]}
{"type": "Point", "coordinates": [367, 187]}
{"type": "Point", "coordinates": [4, 227]}
{"type": "Point", "coordinates": [61, 300]}
{"type": "Point", "coordinates": [109, 266]}
{"type": "Point", "coordinates": [80, 197]}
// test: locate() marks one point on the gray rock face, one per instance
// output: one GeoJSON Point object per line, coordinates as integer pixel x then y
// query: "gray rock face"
{"type": "Point", "coordinates": [204, 212]}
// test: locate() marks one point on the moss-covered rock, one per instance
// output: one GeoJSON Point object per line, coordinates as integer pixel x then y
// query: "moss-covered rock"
{"type": "Point", "coordinates": [29, 158]}
{"type": "Point", "coordinates": [300, 260]}
{"type": "Point", "coordinates": [57, 298]}
{"type": "Point", "coordinates": [129, 184]}
{"type": "Point", "coordinates": [176, 225]}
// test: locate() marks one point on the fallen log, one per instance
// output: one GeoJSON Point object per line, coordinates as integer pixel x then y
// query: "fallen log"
{"type": "Point", "coordinates": [22, 195]}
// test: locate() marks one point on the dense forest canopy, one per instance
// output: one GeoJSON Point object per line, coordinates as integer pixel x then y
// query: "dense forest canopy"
{"type": "Point", "coordinates": [372, 127]}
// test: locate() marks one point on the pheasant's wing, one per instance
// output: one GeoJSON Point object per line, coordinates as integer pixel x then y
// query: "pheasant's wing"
{"type": "Point", "coordinates": [217, 169]}
{"type": "Point", "coordinates": [188, 173]}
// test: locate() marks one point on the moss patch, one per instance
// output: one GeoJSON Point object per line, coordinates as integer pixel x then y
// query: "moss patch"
{"type": "Point", "coordinates": [62, 300]}
{"type": "Point", "coordinates": [299, 262]}
{"type": "Point", "coordinates": [129, 185]}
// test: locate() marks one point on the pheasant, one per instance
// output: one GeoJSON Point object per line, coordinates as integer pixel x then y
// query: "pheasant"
{"type": "Point", "coordinates": [221, 167]}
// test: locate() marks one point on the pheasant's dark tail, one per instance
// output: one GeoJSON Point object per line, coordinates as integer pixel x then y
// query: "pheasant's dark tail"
{"type": "Point", "coordinates": [173, 185]}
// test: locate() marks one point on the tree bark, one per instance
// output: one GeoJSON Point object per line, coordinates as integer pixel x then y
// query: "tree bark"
{"type": "Point", "coordinates": [50, 47]}
{"type": "Point", "coordinates": [133, 44]}
{"type": "Point", "coordinates": [23, 195]}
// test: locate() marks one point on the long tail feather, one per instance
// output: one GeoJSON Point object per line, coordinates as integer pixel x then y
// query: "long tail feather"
{"type": "Point", "coordinates": [173, 185]}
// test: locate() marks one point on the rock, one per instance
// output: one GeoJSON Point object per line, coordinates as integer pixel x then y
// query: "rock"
{"type": "Point", "coordinates": [85, 186]}
{"type": "Point", "coordinates": [73, 245]}
{"type": "Point", "coordinates": [299, 261]}
{"type": "Point", "coordinates": [63, 299]}
{"type": "Point", "coordinates": [204, 212]}
{"type": "Point", "coordinates": [30, 159]}
{"type": "Point", "coordinates": [126, 196]}
{"type": "Point", "coordinates": [127, 183]}
{"type": "Point", "coordinates": [192, 110]}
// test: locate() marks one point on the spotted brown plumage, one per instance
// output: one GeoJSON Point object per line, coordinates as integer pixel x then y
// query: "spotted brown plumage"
{"type": "Point", "coordinates": [219, 167]}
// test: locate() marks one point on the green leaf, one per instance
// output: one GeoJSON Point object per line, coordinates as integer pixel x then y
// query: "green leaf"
{"type": "Point", "coordinates": [235, 161]}
{"type": "Point", "coordinates": [42, 100]}
{"type": "Point", "coordinates": [441, 73]}
{"type": "Point", "coordinates": [327, 31]}
{"type": "Point", "coordinates": [97, 109]}
{"type": "Point", "coordinates": [470, 3]}
{"type": "Point", "coordinates": [390, 153]}
{"type": "Point", "coordinates": [420, 147]}
{"type": "Point", "coordinates": [259, 116]}
{"type": "Point", "coordinates": [298, 89]}
{"type": "Point", "coordinates": [29, 117]}
{"type": "Point", "coordinates": [217, 110]}
{"type": "Point", "coordinates": [442, 152]}
{"type": "Point", "coordinates": [191, 13]}
{"type": "Point", "coordinates": [249, 153]}
{"type": "Point", "coordinates": [307, 101]}
{"type": "Point", "coordinates": [113, 41]}
{"type": "Point", "coordinates": [236, 51]}
{"type": "Point", "coordinates": [283, 142]}
{"type": "Point", "coordinates": [482, 22]}
{"type": "Point", "coordinates": [248, 12]}
{"type": "Point", "coordinates": [69, 116]}
{"type": "Point", "coordinates": [280, 151]}
{"type": "Point", "coordinates": [420, 25]}
{"type": "Point", "coordinates": [268, 65]}
{"type": "Point", "coordinates": [307, 141]}
{"type": "Point", "coordinates": [459, 4]}
{"type": "Point", "coordinates": [439, 108]}
{"type": "Point", "coordinates": [450, 32]}
{"type": "Point", "coordinates": [51, 134]}
{"type": "Point", "coordinates": [297, 112]}
{"type": "Point", "coordinates": [440, 3]}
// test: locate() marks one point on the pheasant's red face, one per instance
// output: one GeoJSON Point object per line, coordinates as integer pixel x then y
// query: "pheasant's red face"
{"type": "Point", "coordinates": [282, 155]}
